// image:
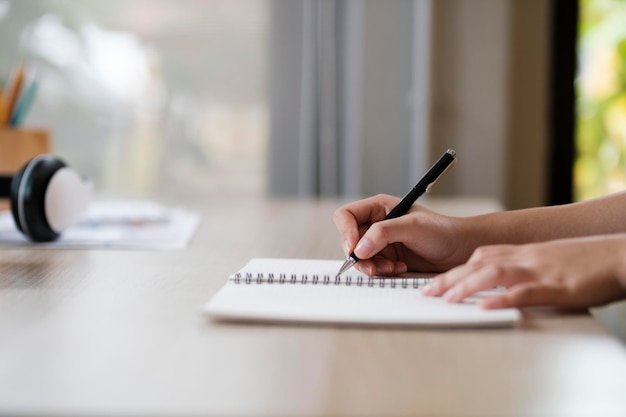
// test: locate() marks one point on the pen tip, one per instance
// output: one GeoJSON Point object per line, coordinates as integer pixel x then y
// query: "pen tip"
{"type": "Point", "coordinates": [346, 265]}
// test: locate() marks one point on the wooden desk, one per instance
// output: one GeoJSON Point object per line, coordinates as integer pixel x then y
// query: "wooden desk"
{"type": "Point", "coordinates": [118, 333]}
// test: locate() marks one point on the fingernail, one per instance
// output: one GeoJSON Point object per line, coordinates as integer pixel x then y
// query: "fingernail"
{"type": "Point", "coordinates": [363, 248]}
{"type": "Point", "coordinates": [400, 267]}
{"type": "Point", "coordinates": [451, 295]}
{"type": "Point", "coordinates": [346, 247]}
{"type": "Point", "coordinates": [428, 289]}
{"type": "Point", "coordinates": [489, 303]}
{"type": "Point", "coordinates": [370, 271]}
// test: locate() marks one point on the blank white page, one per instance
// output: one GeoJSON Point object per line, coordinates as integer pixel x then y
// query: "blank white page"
{"type": "Point", "coordinates": [304, 290]}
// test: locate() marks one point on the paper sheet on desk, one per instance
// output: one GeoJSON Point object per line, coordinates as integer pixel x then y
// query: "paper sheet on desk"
{"type": "Point", "coordinates": [116, 225]}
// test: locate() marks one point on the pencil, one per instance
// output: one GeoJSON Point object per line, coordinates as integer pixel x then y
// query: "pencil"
{"type": "Point", "coordinates": [24, 103]}
{"type": "Point", "coordinates": [4, 116]}
{"type": "Point", "coordinates": [13, 94]}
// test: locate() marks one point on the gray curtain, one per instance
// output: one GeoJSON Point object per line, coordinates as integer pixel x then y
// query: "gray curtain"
{"type": "Point", "coordinates": [349, 96]}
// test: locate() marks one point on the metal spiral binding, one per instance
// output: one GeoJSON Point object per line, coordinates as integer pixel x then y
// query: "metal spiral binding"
{"type": "Point", "coordinates": [315, 279]}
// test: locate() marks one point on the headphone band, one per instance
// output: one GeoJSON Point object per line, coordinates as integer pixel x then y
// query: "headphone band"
{"type": "Point", "coordinates": [5, 187]}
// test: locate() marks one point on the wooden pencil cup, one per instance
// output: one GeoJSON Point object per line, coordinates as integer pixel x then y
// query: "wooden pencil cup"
{"type": "Point", "coordinates": [18, 146]}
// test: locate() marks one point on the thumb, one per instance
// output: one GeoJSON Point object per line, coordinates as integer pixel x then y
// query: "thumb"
{"type": "Point", "coordinates": [383, 233]}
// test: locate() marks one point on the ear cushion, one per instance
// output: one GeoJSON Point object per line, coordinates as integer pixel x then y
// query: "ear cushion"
{"type": "Point", "coordinates": [67, 197]}
{"type": "Point", "coordinates": [28, 191]}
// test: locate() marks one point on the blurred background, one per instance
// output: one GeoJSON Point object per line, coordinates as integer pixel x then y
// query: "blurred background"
{"type": "Point", "coordinates": [147, 96]}
{"type": "Point", "coordinates": [329, 98]}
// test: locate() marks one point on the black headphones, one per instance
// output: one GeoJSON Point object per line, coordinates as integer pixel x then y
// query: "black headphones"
{"type": "Point", "coordinates": [46, 197]}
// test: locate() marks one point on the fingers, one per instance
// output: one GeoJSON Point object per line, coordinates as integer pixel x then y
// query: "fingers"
{"type": "Point", "coordinates": [467, 280]}
{"type": "Point", "coordinates": [531, 294]}
{"type": "Point", "coordinates": [350, 217]}
{"type": "Point", "coordinates": [554, 293]}
{"type": "Point", "coordinates": [379, 265]}
{"type": "Point", "coordinates": [348, 228]}
{"type": "Point", "coordinates": [487, 268]}
{"type": "Point", "coordinates": [484, 270]}
{"type": "Point", "coordinates": [572, 273]}
{"type": "Point", "coordinates": [460, 283]}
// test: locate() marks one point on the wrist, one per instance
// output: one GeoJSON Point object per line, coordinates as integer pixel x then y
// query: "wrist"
{"type": "Point", "coordinates": [487, 229]}
{"type": "Point", "coordinates": [472, 232]}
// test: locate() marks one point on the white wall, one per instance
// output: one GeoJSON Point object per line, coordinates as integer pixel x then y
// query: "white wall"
{"type": "Point", "coordinates": [469, 92]}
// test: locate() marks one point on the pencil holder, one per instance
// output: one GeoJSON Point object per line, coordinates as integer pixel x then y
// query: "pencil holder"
{"type": "Point", "coordinates": [18, 146]}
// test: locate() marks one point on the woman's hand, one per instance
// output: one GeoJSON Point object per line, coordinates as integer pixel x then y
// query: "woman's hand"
{"type": "Point", "coordinates": [568, 273]}
{"type": "Point", "coordinates": [420, 240]}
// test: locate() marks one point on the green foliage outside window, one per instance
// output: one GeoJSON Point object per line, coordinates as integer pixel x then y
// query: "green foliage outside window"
{"type": "Point", "coordinates": [600, 166]}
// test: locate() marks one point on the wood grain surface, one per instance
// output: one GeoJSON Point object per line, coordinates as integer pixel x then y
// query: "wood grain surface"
{"type": "Point", "coordinates": [119, 333]}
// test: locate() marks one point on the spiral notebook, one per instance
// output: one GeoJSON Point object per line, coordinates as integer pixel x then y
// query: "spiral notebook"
{"type": "Point", "coordinates": [308, 290]}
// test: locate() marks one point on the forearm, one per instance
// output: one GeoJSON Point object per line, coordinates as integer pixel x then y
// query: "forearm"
{"type": "Point", "coordinates": [599, 216]}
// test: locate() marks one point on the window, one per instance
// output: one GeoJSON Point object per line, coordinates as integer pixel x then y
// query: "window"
{"type": "Point", "coordinates": [308, 97]}
{"type": "Point", "coordinates": [148, 95]}
{"type": "Point", "coordinates": [600, 166]}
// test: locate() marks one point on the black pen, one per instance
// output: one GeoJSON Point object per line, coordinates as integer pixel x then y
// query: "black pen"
{"type": "Point", "coordinates": [445, 162]}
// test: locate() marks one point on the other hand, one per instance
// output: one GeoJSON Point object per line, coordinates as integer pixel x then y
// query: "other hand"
{"type": "Point", "coordinates": [568, 273]}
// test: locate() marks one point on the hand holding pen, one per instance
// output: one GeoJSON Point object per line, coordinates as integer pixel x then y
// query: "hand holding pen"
{"type": "Point", "coordinates": [410, 237]}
